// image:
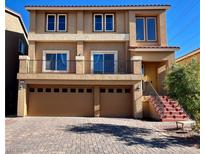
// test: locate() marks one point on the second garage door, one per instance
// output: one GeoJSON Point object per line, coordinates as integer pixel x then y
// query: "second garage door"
{"type": "Point", "coordinates": [60, 101]}
{"type": "Point", "coordinates": [116, 102]}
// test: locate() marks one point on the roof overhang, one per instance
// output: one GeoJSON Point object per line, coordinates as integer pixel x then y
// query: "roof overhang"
{"type": "Point", "coordinates": [95, 7]}
{"type": "Point", "coordinates": [154, 48]}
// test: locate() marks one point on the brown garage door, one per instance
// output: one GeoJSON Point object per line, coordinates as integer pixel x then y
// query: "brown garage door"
{"type": "Point", "coordinates": [60, 101]}
{"type": "Point", "coordinates": [116, 102]}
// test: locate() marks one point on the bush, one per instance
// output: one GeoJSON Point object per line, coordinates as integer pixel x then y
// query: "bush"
{"type": "Point", "coordinates": [182, 83]}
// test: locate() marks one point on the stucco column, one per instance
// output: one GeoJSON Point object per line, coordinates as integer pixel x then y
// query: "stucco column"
{"type": "Point", "coordinates": [80, 48]}
{"type": "Point", "coordinates": [32, 55]}
{"type": "Point", "coordinates": [80, 65]}
{"type": "Point", "coordinates": [136, 64]}
{"type": "Point", "coordinates": [80, 22]}
{"type": "Point", "coordinates": [24, 64]}
{"type": "Point", "coordinates": [137, 100]}
{"type": "Point", "coordinates": [132, 27]}
{"type": "Point", "coordinates": [96, 101]}
{"type": "Point", "coordinates": [22, 106]}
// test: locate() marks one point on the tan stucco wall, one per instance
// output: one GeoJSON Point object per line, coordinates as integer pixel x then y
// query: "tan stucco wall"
{"type": "Point", "coordinates": [161, 28]}
{"type": "Point", "coordinates": [77, 21]}
{"type": "Point", "coordinates": [152, 56]}
{"type": "Point", "coordinates": [71, 47]}
{"type": "Point", "coordinates": [82, 22]}
{"type": "Point", "coordinates": [189, 59]}
{"type": "Point", "coordinates": [12, 23]}
{"type": "Point", "coordinates": [121, 48]}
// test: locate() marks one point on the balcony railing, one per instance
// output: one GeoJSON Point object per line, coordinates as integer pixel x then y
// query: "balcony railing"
{"type": "Point", "coordinates": [88, 66]}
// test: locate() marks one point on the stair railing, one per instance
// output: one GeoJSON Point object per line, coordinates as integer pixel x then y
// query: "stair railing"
{"type": "Point", "coordinates": [159, 100]}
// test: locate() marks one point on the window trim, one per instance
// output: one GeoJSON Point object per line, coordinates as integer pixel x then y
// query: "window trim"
{"type": "Point", "coordinates": [155, 21]}
{"type": "Point", "coordinates": [54, 22]}
{"type": "Point", "coordinates": [113, 22]}
{"type": "Point", "coordinates": [143, 27]}
{"type": "Point", "coordinates": [55, 52]}
{"type": "Point", "coordinates": [101, 23]}
{"type": "Point", "coordinates": [58, 22]}
{"type": "Point", "coordinates": [115, 52]}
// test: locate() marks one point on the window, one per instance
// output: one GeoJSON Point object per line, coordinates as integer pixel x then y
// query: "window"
{"type": "Point", "coordinates": [148, 34]}
{"type": "Point", "coordinates": [89, 90]}
{"type": "Point", "coordinates": [109, 22]}
{"type": "Point", "coordinates": [104, 62]}
{"type": "Point", "coordinates": [62, 22]}
{"type": "Point", "coordinates": [140, 29]}
{"type": "Point", "coordinates": [40, 89]}
{"type": "Point", "coordinates": [151, 29]}
{"type": "Point", "coordinates": [32, 90]}
{"type": "Point", "coordinates": [98, 22]}
{"type": "Point", "coordinates": [56, 90]}
{"type": "Point", "coordinates": [103, 22]}
{"type": "Point", "coordinates": [55, 61]}
{"type": "Point", "coordinates": [72, 90]}
{"type": "Point", "coordinates": [48, 89]}
{"type": "Point", "coordinates": [51, 22]}
{"type": "Point", "coordinates": [102, 90]}
{"type": "Point", "coordinates": [64, 90]}
{"type": "Point", "coordinates": [22, 47]}
{"type": "Point", "coordinates": [80, 90]}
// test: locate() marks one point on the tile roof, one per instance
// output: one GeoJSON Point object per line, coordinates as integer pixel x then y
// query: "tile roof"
{"type": "Point", "coordinates": [153, 47]}
{"type": "Point", "coordinates": [135, 5]}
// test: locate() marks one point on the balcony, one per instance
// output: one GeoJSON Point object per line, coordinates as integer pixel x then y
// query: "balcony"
{"type": "Point", "coordinates": [79, 69]}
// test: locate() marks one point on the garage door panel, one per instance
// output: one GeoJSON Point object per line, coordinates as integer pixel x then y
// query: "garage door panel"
{"type": "Point", "coordinates": [60, 103]}
{"type": "Point", "coordinates": [116, 102]}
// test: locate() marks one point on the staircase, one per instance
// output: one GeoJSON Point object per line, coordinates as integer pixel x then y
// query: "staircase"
{"type": "Point", "coordinates": [168, 109]}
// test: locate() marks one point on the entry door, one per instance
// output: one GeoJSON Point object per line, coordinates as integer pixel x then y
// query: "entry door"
{"type": "Point", "coordinates": [150, 73]}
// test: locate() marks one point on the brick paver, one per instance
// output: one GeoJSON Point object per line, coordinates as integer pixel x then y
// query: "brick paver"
{"type": "Point", "coordinates": [76, 135]}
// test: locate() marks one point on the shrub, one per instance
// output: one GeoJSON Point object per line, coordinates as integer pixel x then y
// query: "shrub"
{"type": "Point", "coordinates": [182, 83]}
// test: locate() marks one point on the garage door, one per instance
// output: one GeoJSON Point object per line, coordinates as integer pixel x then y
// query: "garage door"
{"type": "Point", "coordinates": [60, 101]}
{"type": "Point", "coordinates": [116, 102]}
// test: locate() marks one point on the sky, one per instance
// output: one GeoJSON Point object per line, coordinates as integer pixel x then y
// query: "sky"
{"type": "Point", "coordinates": [183, 18]}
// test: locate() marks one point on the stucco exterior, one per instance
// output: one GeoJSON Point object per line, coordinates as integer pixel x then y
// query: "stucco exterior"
{"type": "Point", "coordinates": [15, 35]}
{"type": "Point", "coordinates": [188, 58]}
{"type": "Point", "coordinates": [80, 40]}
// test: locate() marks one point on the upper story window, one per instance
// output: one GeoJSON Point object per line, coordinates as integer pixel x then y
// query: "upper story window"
{"type": "Point", "coordinates": [146, 29]}
{"type": "Point", "coordinates": [103, 22]}
{"type": "Point", "coordinates": [55, 61]}
{"type": "Point", "coordinates": [51, 22]}
{"type": "Point", "coordinates": [151, 29]}
{"type": "Point", "coordinates": [98, 22]}
{"type": "Point", "coordinates": [58, 24]}
{"type": "Point", "coordinates": [62, 22]}
{"type": "Point", "coordinates": [109, 22]}
{"type": "Point", "coordinates": [140, 29]}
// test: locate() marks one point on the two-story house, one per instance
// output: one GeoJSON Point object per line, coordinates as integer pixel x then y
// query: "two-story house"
{"type": "Point", "coordinates": [16, 43]}
{"type": "Point", "coordinates": [93, 60]}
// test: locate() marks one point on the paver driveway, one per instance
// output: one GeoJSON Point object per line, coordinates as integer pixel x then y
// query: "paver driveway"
{"type": "Point", "coordinates": [91, 135]}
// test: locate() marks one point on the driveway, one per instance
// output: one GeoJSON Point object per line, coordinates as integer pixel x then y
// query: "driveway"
{"type": "Point", "coordinates": [77, 135]}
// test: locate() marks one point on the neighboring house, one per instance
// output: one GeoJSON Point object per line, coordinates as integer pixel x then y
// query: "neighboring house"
{"type": "Point", "coordinates": [93, 60]}
{"type": "Point", "coordinates": [16, 44]}
{"type": "Point", "coordinates": [194, 55]}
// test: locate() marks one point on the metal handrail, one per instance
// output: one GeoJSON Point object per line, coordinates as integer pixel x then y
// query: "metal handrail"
{"type": "Point", "coordinates": [156, 94]}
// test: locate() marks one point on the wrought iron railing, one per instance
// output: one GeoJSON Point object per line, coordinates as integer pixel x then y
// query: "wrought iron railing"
{"type": "Point", "coordinates": [151, 91]}
{"type": "Point", "coordinates": [90, 67]}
